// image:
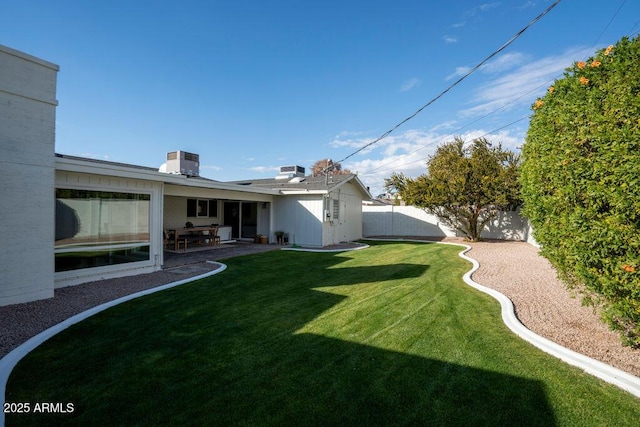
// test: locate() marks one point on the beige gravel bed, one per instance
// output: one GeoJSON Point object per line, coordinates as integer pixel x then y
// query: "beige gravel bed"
{"type": "Point", "coordinates": [544, 305]}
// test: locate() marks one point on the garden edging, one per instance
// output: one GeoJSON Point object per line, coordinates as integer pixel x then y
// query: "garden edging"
{"type": "Point", "coordinates": [605, 372]}
{"type": "Point", "coordinates": [11, 359]}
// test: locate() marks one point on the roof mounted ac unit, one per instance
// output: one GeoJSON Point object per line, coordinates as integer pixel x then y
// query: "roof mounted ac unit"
{"type": "Point", "coordinates": [288, 172]}
{"type": "Point", "coordinates": [183, 163]}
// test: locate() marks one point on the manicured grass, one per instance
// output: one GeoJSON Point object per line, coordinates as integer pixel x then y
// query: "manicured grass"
{"type": "Point", "coordinates": [387, 335]}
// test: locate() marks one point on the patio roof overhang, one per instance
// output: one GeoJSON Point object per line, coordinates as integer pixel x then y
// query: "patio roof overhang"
{"type": "Point", "coordinates": [97, 167]}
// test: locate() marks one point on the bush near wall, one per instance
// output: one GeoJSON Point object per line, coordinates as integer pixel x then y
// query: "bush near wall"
{"type": "Point", "coordinates": [581, 181]}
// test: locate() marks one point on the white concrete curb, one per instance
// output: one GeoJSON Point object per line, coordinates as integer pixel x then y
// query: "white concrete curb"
{"type": "Point", "coordinates": [601, 370]}
{"type": "Point", "coordinates": [11, 359]}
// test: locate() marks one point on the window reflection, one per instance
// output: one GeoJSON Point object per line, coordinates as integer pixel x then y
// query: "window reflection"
{"type": "Point", "coordinates": [97, 228]}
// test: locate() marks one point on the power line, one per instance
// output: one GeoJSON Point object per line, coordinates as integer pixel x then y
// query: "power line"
{"type": "Point", "coordinates": [379, 168]}
{"type": "Point", "coordinates": [610, 21]}
{"type": "Point", "coordinates": [454, 84]}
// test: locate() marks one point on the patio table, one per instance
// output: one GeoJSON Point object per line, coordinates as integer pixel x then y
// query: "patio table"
{"type": "Point", "coordinates": [197, 233]}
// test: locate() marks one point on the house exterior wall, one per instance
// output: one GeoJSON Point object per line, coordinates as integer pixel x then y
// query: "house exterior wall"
{"type": "Point", "coordinates": [299, 216]}
{"type": "Point", "coordinates": [85, 181]}
{"type": "Point", "coordinates": [175, 213]}
{"type": "Point", "coordinates": [302, 217]}
{"type": "Point", "coordinates": [27, 140]}
{"type": "Point", "coordinates": [412, 221]}
{"type": "Point", "coordinates": [348, 226]}
{"type": "Point", "coordinates": [264, 219]}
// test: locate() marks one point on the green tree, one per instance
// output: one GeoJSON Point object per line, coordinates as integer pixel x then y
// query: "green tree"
{"type": "Point", "coordinates": [466, 185]}
{"type": "Point", "coordinates": [580, 181]}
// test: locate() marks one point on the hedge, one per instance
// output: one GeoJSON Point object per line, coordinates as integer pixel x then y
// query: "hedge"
{"type": "Point", "coordinates": [580, 181]}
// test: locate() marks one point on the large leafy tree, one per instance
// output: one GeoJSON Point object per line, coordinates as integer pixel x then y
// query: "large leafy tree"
{"type": "Point", "coordinates": [581, 180]}
{"type": "Point", "coordinates": [328, 167]}
{"type": "Point", "coordinates": [465, 186]}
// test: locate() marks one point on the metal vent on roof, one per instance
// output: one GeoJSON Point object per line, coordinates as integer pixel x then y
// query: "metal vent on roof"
{"type": "Point", "coordinates": [290, 172]}
{"type": "Point", "coordinates": [184, 163]}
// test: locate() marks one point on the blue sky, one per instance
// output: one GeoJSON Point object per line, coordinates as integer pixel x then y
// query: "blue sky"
{"type": "Point", "coordinates": [254, 85]}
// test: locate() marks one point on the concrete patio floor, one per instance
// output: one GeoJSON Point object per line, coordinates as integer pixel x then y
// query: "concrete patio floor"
{"type": "Point", "coordinates": [174, 259]}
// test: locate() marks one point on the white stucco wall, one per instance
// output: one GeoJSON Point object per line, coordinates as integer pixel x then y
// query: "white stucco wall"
{"type": "Point", "coordinates": [412, 221]}
{"type": "Point", "coordinates": [349, 226]}
{"type": "Point", "coordinates": [27, 140]}
{"type": "Point", "coordinates": [301, 217]}
{"type": "Point", "coordinates": [175, 213]}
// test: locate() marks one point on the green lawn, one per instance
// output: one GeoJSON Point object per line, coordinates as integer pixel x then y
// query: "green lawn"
{"type": "Point", "coordinates": [388, 335]}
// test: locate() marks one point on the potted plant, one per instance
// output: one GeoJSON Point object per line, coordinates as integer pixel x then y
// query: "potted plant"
{"type": "Point", "coordinates": [279, 237]}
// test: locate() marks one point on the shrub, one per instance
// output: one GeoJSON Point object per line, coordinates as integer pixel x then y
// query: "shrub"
{"type": "Point", "coordinates": [580, 181]}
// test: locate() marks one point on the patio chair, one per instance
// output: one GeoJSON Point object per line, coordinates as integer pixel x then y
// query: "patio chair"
{"type": "Point", "coordinates": [170, 240]}
{"type": "Point", "coordinates": [214, 239]}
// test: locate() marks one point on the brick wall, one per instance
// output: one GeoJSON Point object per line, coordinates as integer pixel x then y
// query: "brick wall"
{"type": "Point", "coordinates": [27, 140]}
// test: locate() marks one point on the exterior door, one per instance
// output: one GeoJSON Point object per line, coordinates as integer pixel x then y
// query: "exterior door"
{"type": "Point", "coordinates": [232, 218]}
{"type": "Point", "coordinates": [249, 220]}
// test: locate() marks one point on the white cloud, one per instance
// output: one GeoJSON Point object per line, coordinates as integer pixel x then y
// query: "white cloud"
{"type": "Point", "coordinates": [211, 167]}
{"type": "Point", "coordinates": [449, 124]}
{"type": "Point", "coordinates": [450, 39]}
{"type": "Point", "coordinates": [474, 12]}
{"type": "Point", "coordinates": [522, 85]}
{"type": "Point", "coordinates": [407, 85]}
{"type": "Point", "coordinates": [348, 133]}
{"type": "Point", "coordinates": [264, 169]}
{"type": "Point", "coordinates": [459, 72]}
{"type": "Point", "coordinates": [504, 62]}
{"type": "Point", "coordinates": [408, 152]}
{"type": "Point", "coordinates": [488, 6]}
{"type": "Point", "coordinates": [345, 140]}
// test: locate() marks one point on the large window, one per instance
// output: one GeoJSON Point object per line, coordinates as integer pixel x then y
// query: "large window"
{"type": "Point", "coordinates": [99, 228]}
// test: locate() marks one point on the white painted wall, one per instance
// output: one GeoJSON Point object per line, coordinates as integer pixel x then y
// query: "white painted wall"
{"type": "Point", "coordinates": [349, 226]}
{"type": "Point", "coordinates": [301, 217]}
{"type": "Point", "coordinates": [412, 221]}
{"type": "Point", "coordinates": [27, 142]}
{"type": "Point", "coordinates": [175, 213]}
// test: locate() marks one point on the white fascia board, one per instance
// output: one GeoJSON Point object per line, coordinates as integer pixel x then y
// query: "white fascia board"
{"type": "Point", "coordinates": [74, 165]}
{"type": "Point", "coordinates": [294, 192]}
{"type": "Point", "coordinates": [190, 182]}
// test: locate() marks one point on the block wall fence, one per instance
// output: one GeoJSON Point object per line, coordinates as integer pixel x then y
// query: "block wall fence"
{"type": "Point", "coordinates": [411, 221]}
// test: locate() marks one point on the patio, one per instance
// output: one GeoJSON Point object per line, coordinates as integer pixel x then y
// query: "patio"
{"type": "Point", "coordinates": [199, 254]}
